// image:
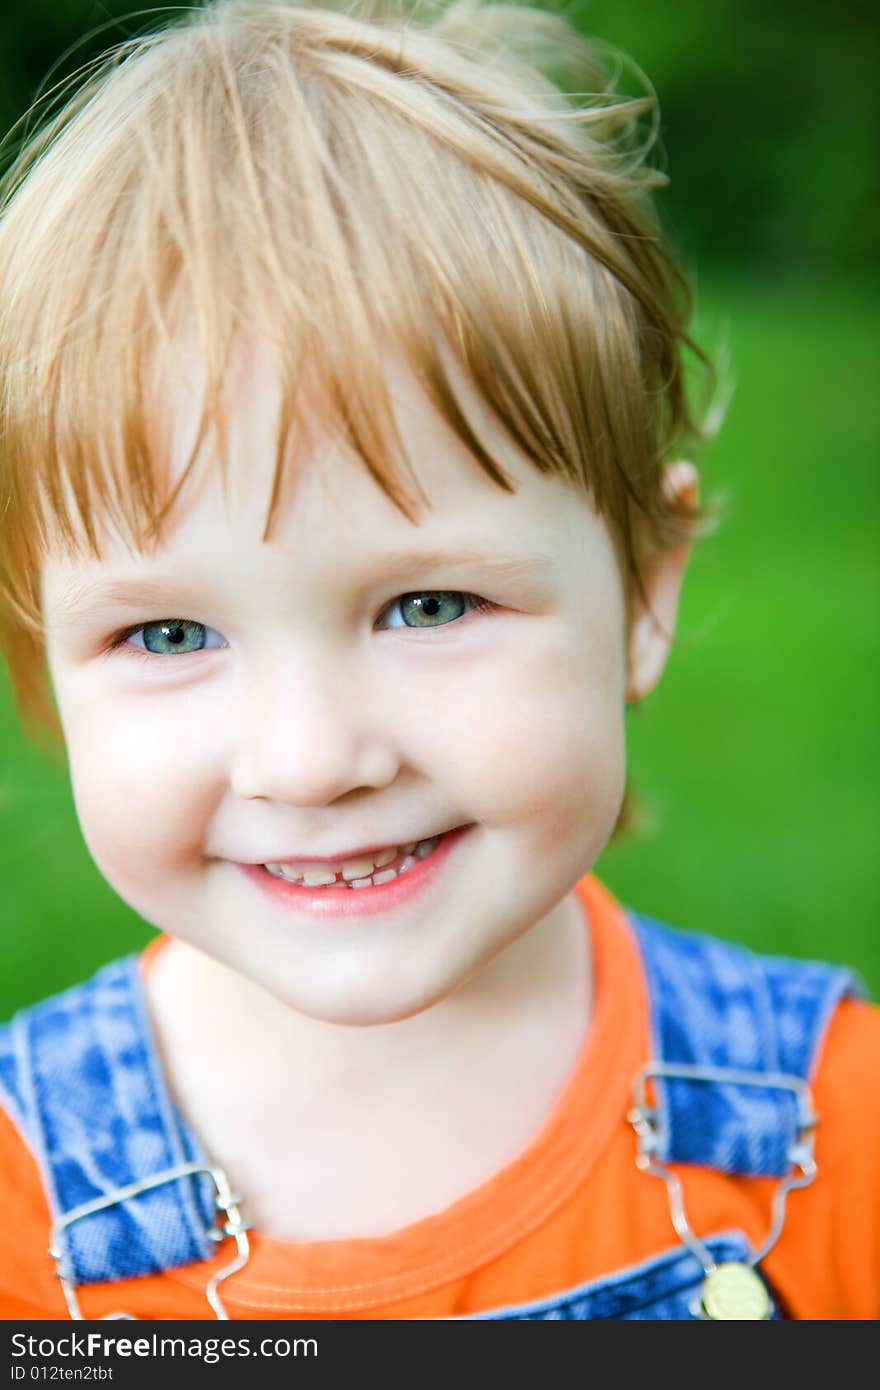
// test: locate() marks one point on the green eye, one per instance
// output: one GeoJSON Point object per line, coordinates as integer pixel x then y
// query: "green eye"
{"type": "Point", "coordinates": [431, 609]}
{"type": "Point", "coordinates": [173, 635]}
{"type": "Point", "coordinates": [167, 636]}
{"type": "Point", "coordinates": [434, 607]}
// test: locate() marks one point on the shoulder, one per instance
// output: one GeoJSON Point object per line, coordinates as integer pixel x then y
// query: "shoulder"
{"type": "Point", "coordinates": [80, 1034]}
{"type": "Point", "coordinates": [847, 1080]}
{"type": "Point", "coordinates": [714, 998]}
{"type": "Point", "coordinates": [831, 1241]}
{"type": "Point", "coordinates": [28, 1286]}
{"type": "Point", "coordinates": [53, 1054]}
{"type": "Point", "coordinates": [854, 1033]}
{"type": "Point", "coordinates": [26, 1269]}
{"type": "Point", "coordinates": [846, 1094]}
{"type": "Point", "coordinates": [717, 1002]}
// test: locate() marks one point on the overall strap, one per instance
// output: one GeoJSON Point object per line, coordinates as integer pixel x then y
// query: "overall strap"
{"type": "Point", "coordinates": [80, 1075]}
{"type": "Point", "coordinates": [718, 1007]}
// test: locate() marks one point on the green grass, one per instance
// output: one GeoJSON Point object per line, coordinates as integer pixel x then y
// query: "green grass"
{"type": "Point", "coordinates": [758, 752]}
{"type": "Point", "coordinates": [757, 755]}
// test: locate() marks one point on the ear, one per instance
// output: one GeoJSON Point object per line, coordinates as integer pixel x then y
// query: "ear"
{"type": "Point", "coordinates": [661, 574]}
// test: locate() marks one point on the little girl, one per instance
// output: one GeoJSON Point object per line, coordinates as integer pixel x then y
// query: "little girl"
{"type": "Point", "coordinates": [343, 345]}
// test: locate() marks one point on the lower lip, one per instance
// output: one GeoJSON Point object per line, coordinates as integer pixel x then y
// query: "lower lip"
{"type": "Point", "coordinates": [353, 902]}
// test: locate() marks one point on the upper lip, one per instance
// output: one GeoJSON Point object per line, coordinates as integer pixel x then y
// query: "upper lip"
{"type": "Point", "coordinates": [336, 857]}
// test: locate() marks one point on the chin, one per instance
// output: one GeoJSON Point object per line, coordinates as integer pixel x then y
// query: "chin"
{"type": "Point", "coordinates": [360, 1009]}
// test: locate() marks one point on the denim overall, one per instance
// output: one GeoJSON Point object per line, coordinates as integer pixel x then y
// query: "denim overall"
{"type": "Point", "coordinates": [735, 1037]}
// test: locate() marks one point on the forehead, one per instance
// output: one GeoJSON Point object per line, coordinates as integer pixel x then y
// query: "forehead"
{"type": "Point", "coordinates": [332, 515]}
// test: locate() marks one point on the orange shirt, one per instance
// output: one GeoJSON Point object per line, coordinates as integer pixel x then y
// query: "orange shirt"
{"type": "Point", "coordinates": [570, 1208]}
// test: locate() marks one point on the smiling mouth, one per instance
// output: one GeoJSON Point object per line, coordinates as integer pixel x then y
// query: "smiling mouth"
{"type": "Point", "coordinates": [359, 874]}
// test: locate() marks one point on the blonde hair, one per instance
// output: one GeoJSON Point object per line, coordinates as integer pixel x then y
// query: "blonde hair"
{"type": "Point", "coordinates": [417, 172]}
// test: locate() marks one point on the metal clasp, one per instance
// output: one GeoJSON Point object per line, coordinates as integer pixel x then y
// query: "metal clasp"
{"type": "Point", "coordinates": [643, 1119]}
{"type": "Point", "coordinates": [225, 1200]}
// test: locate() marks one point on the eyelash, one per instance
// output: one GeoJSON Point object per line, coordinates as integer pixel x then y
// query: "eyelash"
{"type": "Point", "coordinates": [117, 642]}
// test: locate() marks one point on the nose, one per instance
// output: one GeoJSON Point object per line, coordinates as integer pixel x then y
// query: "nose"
{"type": "Point", "coordinates": [308, 733]}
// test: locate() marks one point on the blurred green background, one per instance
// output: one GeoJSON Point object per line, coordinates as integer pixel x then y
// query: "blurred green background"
{"type": "Point", "coordinates": [757, 756]}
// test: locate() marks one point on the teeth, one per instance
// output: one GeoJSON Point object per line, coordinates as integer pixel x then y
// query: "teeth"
{"type": "Point", "coordinates": [356, 868]}
{"type": "Point", "coordinates": [357, 872]}
{"type": "Point", "coordinates": [314, 878]}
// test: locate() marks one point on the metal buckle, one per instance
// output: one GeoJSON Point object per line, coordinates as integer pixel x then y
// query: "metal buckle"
{"type": "Point", "coordinates": [643, 1119]}
{"type": "Point", "coordinates": [225, 1200]}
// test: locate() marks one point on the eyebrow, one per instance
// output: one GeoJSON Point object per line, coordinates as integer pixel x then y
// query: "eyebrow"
{"type": "Point", "coordinates": [107, 594]}
{"type": "Point", "coordinates": [510, 567]}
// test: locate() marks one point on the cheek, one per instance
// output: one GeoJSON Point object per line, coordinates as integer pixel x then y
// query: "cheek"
{"type": "Point", "coordinates": [136, 787]}
{"type": "Point", "coordinates": [546, 744]}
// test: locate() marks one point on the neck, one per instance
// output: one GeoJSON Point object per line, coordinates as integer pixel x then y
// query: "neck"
{"type": "Point", "coordinates": [291, 1105]}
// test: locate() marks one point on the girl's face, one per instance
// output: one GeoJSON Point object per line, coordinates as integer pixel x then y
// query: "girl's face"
{"type": "Point", "coordinates": [337, 688]}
